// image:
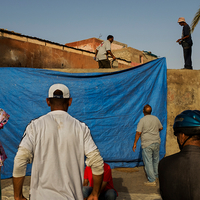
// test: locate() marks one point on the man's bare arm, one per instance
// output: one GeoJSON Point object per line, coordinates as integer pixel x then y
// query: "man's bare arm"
{"type": "Point", "coordinates": [160, 129]}
{"type": "Point", "coordinates": [85, 182]}
{"type": "Point", "coordinates": [17, 185]}
{"type": "Point", "coordinates": [114, 58]}
{"type": "Point", "coordinates": [95, 160]}
{"type": "Point", "coordinates": [97, 182]}
{"type": "Point", "coordinates": [103, 186]}
{"type": "Point", "coordinates": [96, 53]}
{"type": "Point", "coordinates": [137, 136]}
{"type": "Point", "coordinates": [183, 38]}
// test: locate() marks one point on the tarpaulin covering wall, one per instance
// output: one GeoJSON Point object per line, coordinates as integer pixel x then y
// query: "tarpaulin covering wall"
{"type": "Point", "coordinates": [110, 104]}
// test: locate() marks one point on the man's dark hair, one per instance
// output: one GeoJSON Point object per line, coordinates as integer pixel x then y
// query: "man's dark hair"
{"type": "Point", "coordinates": [147, 109]}
{"type": "Point", "coordinates": [58, 101]}
{"type": "Point", "coordinates": [109, 37]}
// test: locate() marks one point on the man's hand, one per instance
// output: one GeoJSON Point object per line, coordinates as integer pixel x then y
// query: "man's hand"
{"type": "Point", "coordinates": [22, 198]}
{"type": "Point", "coordinates": [97, 181]}
{"type": "Point", "coordinates": [179, 41]}
{"type": "Point", "coordinates": [85, 182]}
{"type": "Point", "coordinates": [134, 147]}
{"type": "Point", "coordinates": [114, 58]}
{"type": "Point", "coordinates": [137, 136]}
{"type": "Point", "coordinates": [92, 197]}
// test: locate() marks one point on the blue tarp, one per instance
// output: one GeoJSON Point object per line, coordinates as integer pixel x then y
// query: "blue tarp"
{"type": "Point", "coordinates": [110, 104]}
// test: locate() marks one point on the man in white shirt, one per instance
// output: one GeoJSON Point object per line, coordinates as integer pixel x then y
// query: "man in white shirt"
{"type": "Point", "coordinates": [102, 51]}
{"type": "Point", "coordinates": [56, 144]}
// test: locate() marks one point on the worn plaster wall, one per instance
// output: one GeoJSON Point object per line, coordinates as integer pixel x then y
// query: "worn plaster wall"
{"type": "Point", "coordinates": [92, 43]}
{"type": "Point", "coordinates": [27, 52]}
{"type": "Point", "coordinates": [183, 93]}
{"type": "Point", "coordinates": [136, 56]}
{"type": "Point", "coordinates": [89, 44]}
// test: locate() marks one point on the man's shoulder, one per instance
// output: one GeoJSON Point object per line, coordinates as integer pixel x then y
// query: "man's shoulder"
{"type": "Point", "coordinates": [54, 114]}
{"type": "Point", "coordinates": [153, 117]}
{"type": "Point", "coordinates": [141, 121]}
{"type": "Point", "coordinates": [107, 42]}
{"type": "Point", "coordinates": [143, 118]}
{"type": "Point", "coordinates": [170, 160]}
{"type": "Point", "coordinates": [41, 118]}
{"type": "Point", "coordinates": [186, 28]}
{"type": "Point", "coordinates": [146, 117]}
{"type": "Point", "coordinates": [37, 119]}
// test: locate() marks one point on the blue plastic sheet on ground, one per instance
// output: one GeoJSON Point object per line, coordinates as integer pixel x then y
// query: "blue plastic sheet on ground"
{"type": "Point", "coordinates": [110, 104]}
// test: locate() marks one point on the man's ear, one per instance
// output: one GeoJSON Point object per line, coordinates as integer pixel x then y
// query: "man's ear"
{"type": "Point", "coordinates": [70, 101]}
{"type": "Point", "coordinates": [182, 137]}
{"type": "Point", "coordinates": [48, 102]}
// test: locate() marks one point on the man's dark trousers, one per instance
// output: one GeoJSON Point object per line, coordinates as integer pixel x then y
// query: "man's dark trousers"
{"type": "Point", "coordinates": [187, 52]}
{"type": "Point", "coordinates": [104, 64]}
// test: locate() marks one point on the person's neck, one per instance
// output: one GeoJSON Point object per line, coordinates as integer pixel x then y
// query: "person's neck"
{"type": "Point", "coordinates": [192, 142]}
{"type": "Point", "coordinates": [61, 108]}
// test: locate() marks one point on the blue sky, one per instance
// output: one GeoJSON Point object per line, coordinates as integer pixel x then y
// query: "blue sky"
{"type": "Point", "coordinates": [144, 24]}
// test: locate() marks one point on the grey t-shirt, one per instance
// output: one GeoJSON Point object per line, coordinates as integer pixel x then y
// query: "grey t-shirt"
{"type": "Point", "coordinates": [102, 50]}
{"type": "Point", "coordinates": [149, 125]}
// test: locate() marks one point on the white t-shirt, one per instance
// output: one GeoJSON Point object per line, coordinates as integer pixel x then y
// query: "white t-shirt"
{"type": "Point", "coordinates": [58, 143]}
{"type": "Point", "coordinates": [102, 50]}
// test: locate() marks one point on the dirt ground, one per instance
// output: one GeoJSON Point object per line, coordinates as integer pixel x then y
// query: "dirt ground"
{"type": "Point", "coordinates": [127, 180]}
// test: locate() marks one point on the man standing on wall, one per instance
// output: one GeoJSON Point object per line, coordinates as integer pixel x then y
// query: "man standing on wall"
{"type": "Point", "coordinates": [186, 42]}
{"type": "Point", "coordinates": [148, 128]}
{"type": "Point", "coordinates": [57, 143]}
{"type": "Point", "coordinates": [102, 51]}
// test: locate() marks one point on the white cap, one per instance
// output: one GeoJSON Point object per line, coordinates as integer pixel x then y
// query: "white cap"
{"type": "Point", "coordinates": [64, 89]}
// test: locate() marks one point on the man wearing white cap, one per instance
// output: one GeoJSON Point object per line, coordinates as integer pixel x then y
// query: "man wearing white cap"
{"type": "Point", "coordinates": [56, 144]}
{"type": "Point", "coordinates": [186, 42]}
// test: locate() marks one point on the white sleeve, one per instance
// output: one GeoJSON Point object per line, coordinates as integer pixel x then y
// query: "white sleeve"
{"type": "Point", "coordinates": [22, 158]}
{"type": "Point", "coordinates": [89, 144]}
{"type": "Point", "coordinates": [95, 161]}
{"type": "Point", "coordinates": [28, 138]}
